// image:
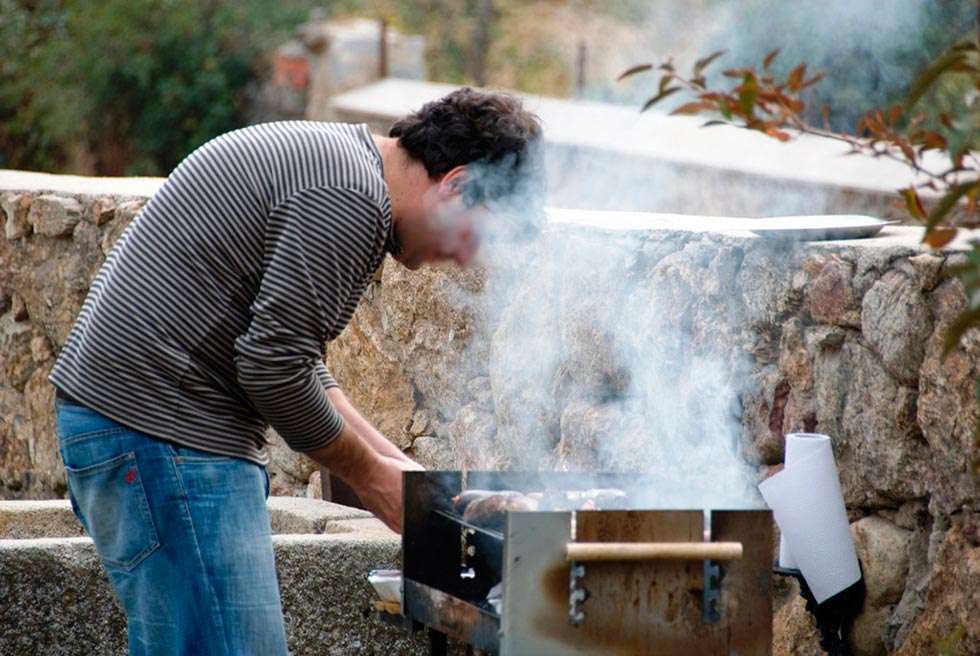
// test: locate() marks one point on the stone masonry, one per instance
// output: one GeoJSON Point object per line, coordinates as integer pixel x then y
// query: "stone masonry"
{"type": "Point", "coordinates": [843, 338]}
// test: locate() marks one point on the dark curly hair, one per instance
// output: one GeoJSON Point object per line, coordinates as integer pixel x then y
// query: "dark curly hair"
{"type": "Point", "coordinates": [488, 132]}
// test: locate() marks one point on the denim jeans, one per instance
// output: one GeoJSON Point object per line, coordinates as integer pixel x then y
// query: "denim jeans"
{"type": "Point", "coordinates": [183, 534]}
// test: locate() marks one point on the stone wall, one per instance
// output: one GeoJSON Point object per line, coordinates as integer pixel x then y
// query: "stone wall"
{"type": "Point", "coordinates": [843, 338]}
{"type": "Point", "coordinates": [839, 337]}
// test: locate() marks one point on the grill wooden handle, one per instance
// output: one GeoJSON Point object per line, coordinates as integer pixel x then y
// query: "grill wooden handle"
{"type": "Point", "coordinates": [619, 551]}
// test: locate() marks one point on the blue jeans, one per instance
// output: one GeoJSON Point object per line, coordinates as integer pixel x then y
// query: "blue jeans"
{"type": "Point", "coordinates": [183, 534]}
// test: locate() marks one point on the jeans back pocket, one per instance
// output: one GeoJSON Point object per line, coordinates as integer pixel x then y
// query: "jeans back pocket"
{"type": "Point", "coordinates": [112, 505]}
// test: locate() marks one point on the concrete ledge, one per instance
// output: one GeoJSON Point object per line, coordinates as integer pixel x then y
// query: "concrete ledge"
{"type": "Point", "coordinates": [12, 180]}
{"type": "Point", "coordinates": [57, 599]}
{"type": "Point", "coordinates": [53, 518]}
{"type": "Point", "coordinates": [38, 519]}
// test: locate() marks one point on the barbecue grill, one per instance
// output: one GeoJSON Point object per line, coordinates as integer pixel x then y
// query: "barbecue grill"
{"type": "Point", "coordinates": [631, 577]}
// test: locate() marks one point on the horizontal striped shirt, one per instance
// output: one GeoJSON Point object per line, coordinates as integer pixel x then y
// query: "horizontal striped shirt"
{"type": "Point", "coordinates": [208, 321]}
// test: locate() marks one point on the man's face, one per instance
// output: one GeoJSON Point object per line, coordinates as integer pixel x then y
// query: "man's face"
{"type": "Point", "coordinates": [445, 230]}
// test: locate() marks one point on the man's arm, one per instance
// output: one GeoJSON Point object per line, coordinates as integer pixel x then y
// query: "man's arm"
{"type": "Point", "coordinates": [376, 478]}
{"type": "Point", "coordinates": [363, 427]}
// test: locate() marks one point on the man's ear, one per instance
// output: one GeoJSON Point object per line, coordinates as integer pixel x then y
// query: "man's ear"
{"type": "Point", "coordinates": [453, 181]}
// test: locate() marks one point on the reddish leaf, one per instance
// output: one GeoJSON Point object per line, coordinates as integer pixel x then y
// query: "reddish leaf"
{"type": "Point", "coordinates": [693, 108]}
{"type": "Point", "coordinates": [769, 58]}
{"type": "Point", "coordinates": [657, 98]}
{"type": "Point", "coordinates": [813, 80]}
{"type": "Point", "coordinates": [633, 70]}
{"type": "Point", "coordinates": [736, 72]}
{"type": "Point", "coordinates": [777, 133]}
{"type": "Point", "coordinates": [894, 114]}
{"type": "Point", "coordinates": [795, 79]}
{"type": "Point", "coordinates": [932, 140]}
{"type": "Point", "coordinates": [825, 113]}
{"type": "Point", "coordinates": [946, 120]}
{"type": "Point", "coordinates": [906, 149]}
{"type": "Point", "coordinates": [703, 63]}
{"type": "Point", "coordinates": [939, 236]}
{"type": "Point", "coordinates": [963, 67]}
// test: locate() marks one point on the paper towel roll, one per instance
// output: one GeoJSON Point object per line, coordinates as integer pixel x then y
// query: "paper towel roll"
{"type": "Point", "coordinates": [807, 502]}
{"type": "Point", "coordinates": [798, 447]}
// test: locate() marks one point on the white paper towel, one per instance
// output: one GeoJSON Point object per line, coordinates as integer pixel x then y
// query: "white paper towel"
{"type": "Point", "coordinates": [798, 447]}
{"type": "Point", "coordinates": [807, 502]}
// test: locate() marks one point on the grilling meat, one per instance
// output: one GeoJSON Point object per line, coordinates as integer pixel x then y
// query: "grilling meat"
{"type": "Point", "coordinates": [488, 508]}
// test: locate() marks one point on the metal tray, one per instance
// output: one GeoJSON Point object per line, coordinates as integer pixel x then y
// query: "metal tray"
{"type": "Point", "coordinates": [821, 227]}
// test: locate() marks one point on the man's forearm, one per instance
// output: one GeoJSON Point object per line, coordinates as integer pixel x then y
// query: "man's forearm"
{"type": "Point", "coordinates": [347, 456]}
{"type": "Point", "coordinates": [356, 422]}
{"type": "Point", "coordinates": [375, 478]}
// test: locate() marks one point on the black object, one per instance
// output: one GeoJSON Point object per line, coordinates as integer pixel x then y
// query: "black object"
{"type": "Point", "coordinates": [835, 615]}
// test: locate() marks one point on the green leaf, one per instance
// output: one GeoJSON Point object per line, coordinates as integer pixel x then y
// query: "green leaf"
{"type": "Point", "coordinates": [933, 73]}
{"type": "Point", "coordinates": [964, 322]}
{"type": "Point", "coordinates": [913, 204]}
{"type": "Point", "coordinates": [748, 93]}
{"type": "Point", "coordinates": [633, 70]}
{"type": "Point", "coordinates": [949, 200]}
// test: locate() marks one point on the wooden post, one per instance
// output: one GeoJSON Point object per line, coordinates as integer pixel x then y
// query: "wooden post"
{"type": "Point", "coordinates": [337, 491]}
{"type": "Point", "coordinates": [382, 48]}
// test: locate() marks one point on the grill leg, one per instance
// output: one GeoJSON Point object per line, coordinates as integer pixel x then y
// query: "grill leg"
{"type": "Point", "coordinates": [438, 644]}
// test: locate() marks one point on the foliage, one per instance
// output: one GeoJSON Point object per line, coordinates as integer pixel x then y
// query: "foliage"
{"type": "Point", "coordinates": [871, 47]}
{"type": "Point", "coordinates": [938, 145]}
{"type": "Point", "coordinates": [132, 85]}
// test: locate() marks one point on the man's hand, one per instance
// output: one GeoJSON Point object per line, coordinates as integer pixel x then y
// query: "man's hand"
{"type": "Point", "coordinates": [375, 478]}
{"type": "Point", "coordinates": [381, 493]}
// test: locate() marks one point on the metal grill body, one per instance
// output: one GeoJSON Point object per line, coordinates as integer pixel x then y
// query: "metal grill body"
{"type": "Point", "coordinates": [551, 605]}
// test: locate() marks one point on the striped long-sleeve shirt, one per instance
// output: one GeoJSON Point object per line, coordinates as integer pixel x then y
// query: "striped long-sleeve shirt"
{"type": "Point", "coordinates": [208, 320]}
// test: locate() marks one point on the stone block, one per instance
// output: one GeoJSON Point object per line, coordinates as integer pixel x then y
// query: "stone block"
{"type": "Point", "coordinates": [16, 208]}
{"type": "Point", "coordinates": [433, 452]}
{"type": "Point", "coordinates": [54, 216]}
{"type": "Point", "coordinates": [831, 297]}
{"type": "Point", "coordinates": [883, 550]}
{"type": "Point", "coordinates": [896, 322]}
{"type": "Point", "coordinates": [871, 417]}
{"type": "Point", "coordinates": [948, 622]}
{"type": "Point", "coordinates": [314, 489]}
{"type": "Point", "coordinates": [471, 439]}
{"type": "Point", "coordinates": [947, 410]}
{"type": "Point", "coordinates": [102, 210]}
{"type": "Point", "coordinates": [298, 515]}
